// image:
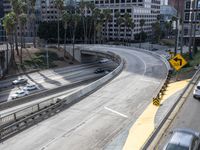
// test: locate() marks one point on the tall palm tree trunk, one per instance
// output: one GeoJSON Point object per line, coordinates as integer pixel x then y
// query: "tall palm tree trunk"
{"type": "Point", "coordinates": [34, 35]}
{"type": "Point", "coordinates": [65, 42]}
{"type": "Point", "coordinates": [58, 28]}
{"type": "Point", "coordinates": [16, 41]}
{"type": "Point", "coordinates": [21, 40]}
{"type": "Point", "coordinates": [94, 38]}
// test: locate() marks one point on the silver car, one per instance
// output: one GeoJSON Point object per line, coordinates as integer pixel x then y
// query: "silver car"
{"type": "Point", "coordinates": [19, 81]}
{"type": "Point", "coordinates": [183, 139]}
{"type": "Point", "coordinates": [30, 87]}
{"type": "Point", "coordinates": [196, 93]}
{"type": "Point", "coordinates": [18, 94]}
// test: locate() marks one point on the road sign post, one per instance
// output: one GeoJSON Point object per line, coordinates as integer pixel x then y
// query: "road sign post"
{"type": "Point", "coordinates": [178, 62]}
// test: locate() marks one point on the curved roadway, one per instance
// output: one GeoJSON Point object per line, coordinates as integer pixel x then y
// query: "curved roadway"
{"type": "Point", "coordinates": [101, 120]}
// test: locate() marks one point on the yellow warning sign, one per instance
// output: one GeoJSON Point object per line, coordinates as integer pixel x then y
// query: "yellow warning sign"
{"type": "Point", "coordinates": [156, 102]}
{"type": "Point", "coordinates": [178, 62]}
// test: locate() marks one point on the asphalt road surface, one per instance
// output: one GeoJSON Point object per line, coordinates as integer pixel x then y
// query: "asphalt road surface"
{"type": "Point", "coordinates": [50, 79]}
{"type": "Point", "coordinates": [187, 117]}
{"type": "Point", "coordinates": [99, 119]}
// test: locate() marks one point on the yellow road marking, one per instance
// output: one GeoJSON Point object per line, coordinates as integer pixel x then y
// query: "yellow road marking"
{"type": "Point", "coordinates": [144, 125]}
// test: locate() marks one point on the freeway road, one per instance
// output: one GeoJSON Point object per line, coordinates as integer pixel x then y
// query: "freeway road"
{"type": "Point", "coordinates": [50, 79]}
{"type": "Point", "coordinates": [187, 117]}
{"type": "Point", "coordinates": [101, 120]}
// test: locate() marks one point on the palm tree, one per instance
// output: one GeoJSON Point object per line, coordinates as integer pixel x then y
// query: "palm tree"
{"type": "Point", "coordinates": [131, 26]}
{"type": "Point", "coordinates": [117, 16]}
{"type": "Point", "coordinates": [127, 20]}
{"type": "Point", "coordinates": [82, 8]}
{"type": "Point", "coordinates": [167, 27]}
{"type": "Point", "coordinates": [22, 23]}
{"type": "Point", "coordinates": [75, 21]}
{"type": "Point", "coordinates": [59, 6]}
{"type": "Point", "coordinates": [91, 8]}
{"type": "Point", "coordinates": [17, 9]}
{"type": "Point", "coordinates": [9, 22]}
{"type": "Point", "coordinates": [33, 20]}
{"type": "Point", "coordinates": [108, 16]}
{"type": "Point", "coordinates": [95, 16]}
{"type": "Point", "coordinates": [120, 22]}
{"type": "Point", "coordinates": [142, 23]}
{"type": "Point", "coordinates": [65, 19]}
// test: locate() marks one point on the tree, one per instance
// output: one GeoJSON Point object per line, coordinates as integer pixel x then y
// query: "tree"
{"type": "Point", "coordinates": [59, 6]}
{"type": "Point", "coordinates": [117, 16]}
{"type": "Point", "coordinates": [33, 20]}
{"type": "Point", "coordinates": [17, 7]}
{"type": "Point", "coordinates": [9, 23]}
{"type": "Point", "coordinates": [156, 31]}
{"type": "Point", "coordinates": [142, 23]}
{"type": "Point", "coordinates": [127, 21]}
{"type": "Point", "coordinates": [167, 27]}
{"type": "Point", "coordinates": [65, 19]}
{"type": "Point", "coordinates": [82, 8]}
{"type": "Point", "coordinates": [95, 16]}
{"type": "Point", "coordinates": [75, 20]}
{"type": "Point", "coordinates": [131, 25]}
{"type": "Point", "coordinates": [22, 23]}
{"type": "Point", "coordinates": [108, 17]}
{"type": "Point", "coordinates": [120, 22]}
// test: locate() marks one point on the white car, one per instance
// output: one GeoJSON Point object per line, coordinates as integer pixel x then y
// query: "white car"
{"type": "Point", "coordinates": [18, 94]}
{"type": "Point", "coordinates": [19, 81]}
{"type": "Point", "coordinates": [196, 93]}
{"type": "Point", "coordinates": [30, 87]}
{"type": "Point", "coordinates": [103, 60]}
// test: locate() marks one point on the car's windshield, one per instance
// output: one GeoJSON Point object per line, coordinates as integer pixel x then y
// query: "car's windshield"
{"type": "Point", "coordinates": [20, 92]}
{"type": "Point", "coordinates": [198, 87]}
{"type": "Point", "coordinates": [176, 147]}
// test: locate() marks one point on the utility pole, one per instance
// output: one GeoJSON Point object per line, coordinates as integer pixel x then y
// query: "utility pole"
{"type": "Point", "coordinates": [177, 31]}
{"type": "Point", "coordinates": [191, 28]}
{"type": "Point", "coordinates": [195, 24]}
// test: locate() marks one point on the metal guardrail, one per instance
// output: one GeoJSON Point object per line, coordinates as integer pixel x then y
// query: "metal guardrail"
{"type": "Point", "coordinates": [192, 83]}
{"type": "Point", "coordinates": [26, 117]}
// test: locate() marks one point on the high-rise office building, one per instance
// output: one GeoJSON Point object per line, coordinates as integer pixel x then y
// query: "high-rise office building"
{"type": "Point", "coordinates": [191, 24]}
{"type": "Point", "coordinates": [178, 5]}
{"type": "Point", "coordinates": [137, 9]}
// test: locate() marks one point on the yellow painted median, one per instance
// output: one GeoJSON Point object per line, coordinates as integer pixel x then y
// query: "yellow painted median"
{"type": "Point", "coordinates": [144, 125]}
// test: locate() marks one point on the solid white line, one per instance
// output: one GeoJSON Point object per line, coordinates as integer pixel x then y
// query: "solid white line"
{"type": "Point", "coordinates": [116, 112]}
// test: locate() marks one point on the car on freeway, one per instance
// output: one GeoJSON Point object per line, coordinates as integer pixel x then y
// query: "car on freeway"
{"type": "Point", "coordinates": [103, 61]}
{"type": "Point", "coordinates": [196, 93]}
{"type": "Point", "coordinates": [183, 139]}
{"type": "Point", "coordinates": [19, 81]}
{"type": "Point", "coordinates": [154, 49]}
{"type": "Point", "coordinates": [30, 87]}
{"type": "Point", "coordinates": [19, 93]}
{"type": "Point", "coordinates": [99, 70]}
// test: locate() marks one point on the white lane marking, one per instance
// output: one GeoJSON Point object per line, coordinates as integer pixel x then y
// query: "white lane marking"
{"type": "Point", "coordinates": [115, 112]}
{"type": "Point", "coordinates": [146, 80]}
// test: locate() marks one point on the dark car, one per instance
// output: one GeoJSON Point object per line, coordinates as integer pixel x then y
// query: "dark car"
{"type": "Point", "coordinates": [99, 70]}
{"type": "Point", "coordinates": [154, 49]}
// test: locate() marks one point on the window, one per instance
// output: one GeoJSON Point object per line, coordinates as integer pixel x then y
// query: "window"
{"type": "Point", "coordinates": [187, 5]}
{"type": "Point", "coordinates": [187, 16]}
{"type": "Point", "coordinates": [129, 10]}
